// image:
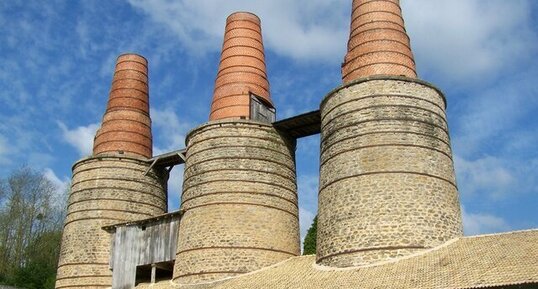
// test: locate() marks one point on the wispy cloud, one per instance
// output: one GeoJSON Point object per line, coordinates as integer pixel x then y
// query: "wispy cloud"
{"type": "Point", "coordinates": [80, 137]}
{"type": "Point", "coordinates": [60, 184]}
{"type": "Point", "coordinates": [486, 174]}
{"type": "Point", "coordinates": [459, 40]}
{"type": "Point", "coordinates": [61, 188]}
{"type": "Point", "coordinates": [467, 41]}
{"type": "Point", "coordinates": [168, 130]}
{"type": "Point", "coordinates": [303, 29]}
{"type": "Point", "coordinates": [481, 223]}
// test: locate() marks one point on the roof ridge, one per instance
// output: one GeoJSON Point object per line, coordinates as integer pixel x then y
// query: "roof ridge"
{"type": "Point", "coordinates": [244, 274]}
{"type": "Point", "coordinates": [394, 260]}
{"type": "Point", "coordinates": [445, 244]}
{"type": "Point", "coordinates": [501, 233]}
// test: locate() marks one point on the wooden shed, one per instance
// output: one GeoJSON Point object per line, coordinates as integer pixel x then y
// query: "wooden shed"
{"type": "Point", "coordinates": [143, 251]}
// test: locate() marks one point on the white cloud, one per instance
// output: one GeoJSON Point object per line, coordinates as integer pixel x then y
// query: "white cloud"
{"type": "Point", "coordinates": [61, 188]}
{"type": "Point", "coordinates": [60, 184]}
{"type": "Point", "coordinates": [168, 131]}
{"type": "Point", "coordinates": [480, 223]}
{"type": "Point", "coordinates": [469, 40]}
{"type": "Point", "coordinates": [302, 29]}
{"type": "Point", "coordinates": [459, 40]}
{"type": "Point", "coordinates": [81, 137]}
{"type": "Point", "coordinates": [488, 174]}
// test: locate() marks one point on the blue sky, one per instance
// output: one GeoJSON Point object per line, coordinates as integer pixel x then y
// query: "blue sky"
{"type": "Point", "coordinates": [57, 60]}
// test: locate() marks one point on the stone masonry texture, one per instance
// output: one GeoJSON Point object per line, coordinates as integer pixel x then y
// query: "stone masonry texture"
{"type": "Point", "coordinates": [126, 124]}
{"type": "Point", "coordinates": [239, 201]}
{"type": "Point", "coordinates": [105, 190]}
{"type": "Point", "coordinates": [241, 70]}
{"type": "Point", "coordinates": [378, 42]}
{"type": "Point", "coordinates": [387, 184]}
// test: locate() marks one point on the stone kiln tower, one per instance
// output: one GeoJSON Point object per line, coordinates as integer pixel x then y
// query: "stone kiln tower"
{"type": "Point", "coordinates": [239, 190]}
{"type": "Point", "coordinates": [387, 184]}
{"type": "Point", "coordinates": [112, 185]}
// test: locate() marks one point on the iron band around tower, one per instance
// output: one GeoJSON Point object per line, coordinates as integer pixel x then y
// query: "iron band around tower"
{"type": "Point", "coordinates": [239, 201]}
{"type": "Point", "coordinates": [387, 184]}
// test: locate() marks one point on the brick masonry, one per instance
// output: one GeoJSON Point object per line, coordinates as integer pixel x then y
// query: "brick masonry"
{"type": "Point", "coordinates": [242, 69]}
{"type": "Point", "coordinates": [378, 42]}
{"type": "Point", "coordinates": [126, 124]}
{"type": "Point", "coordinates": [387, 184]}
{"type": "Point", "coordinates": [239, 201]}
{"type": "Point", "coordinates": [106, 189]}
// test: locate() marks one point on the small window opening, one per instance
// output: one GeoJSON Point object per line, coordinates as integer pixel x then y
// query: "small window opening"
{"type": "Point", "coordinates": [154, 273]}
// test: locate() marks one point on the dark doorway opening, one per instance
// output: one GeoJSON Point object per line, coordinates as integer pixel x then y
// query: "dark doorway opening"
{"type": "Point", "coordinates": [154, 272]}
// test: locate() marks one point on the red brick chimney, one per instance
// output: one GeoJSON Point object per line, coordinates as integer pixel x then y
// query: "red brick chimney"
{"type": "Point", "coordinates": [241, 69]}
{"type": "Point", "coordinates": [126, 127]}
{"type": "Point", "coordinates": [378, 43]}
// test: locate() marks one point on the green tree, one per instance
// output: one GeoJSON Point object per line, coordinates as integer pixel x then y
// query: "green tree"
{"type": "Point", "coordinates": [42, 255]}
{"type": "Point", "coordinates": [31, 215]}
{"type": "Point", "coordinates": [309, 245]}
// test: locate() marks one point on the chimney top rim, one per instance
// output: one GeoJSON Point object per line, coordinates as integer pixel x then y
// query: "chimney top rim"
{"type": "Point", "coordinates": [238, 15]}
{"type": "Point", "coordinates": [127, 54]}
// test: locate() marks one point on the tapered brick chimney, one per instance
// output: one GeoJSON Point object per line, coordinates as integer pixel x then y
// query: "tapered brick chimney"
{"type": "Point", "coordinates": [378, 43]}
{"type": "Point", "coordinates": [126, 127]}
{"type": "Point", "coordinates": [241, 70]}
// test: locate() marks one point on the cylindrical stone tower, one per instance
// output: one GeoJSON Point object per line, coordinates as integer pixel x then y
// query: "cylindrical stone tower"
{"type": "Point", "coordinates": [240, 201]}
{"type": "Point", "coordinates": [387, 184]}
{"type": "Point", "coordinates": [111, 186]}
{"type": "Point", "coordinates": [239, 190]}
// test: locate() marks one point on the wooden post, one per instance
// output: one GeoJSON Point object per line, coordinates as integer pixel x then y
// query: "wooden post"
{"type": "Point", "coordinates": [153, 273]}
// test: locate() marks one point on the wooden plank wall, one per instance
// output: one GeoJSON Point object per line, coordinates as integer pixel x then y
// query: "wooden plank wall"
{"type": "Point", "coordinates": [136, 245]}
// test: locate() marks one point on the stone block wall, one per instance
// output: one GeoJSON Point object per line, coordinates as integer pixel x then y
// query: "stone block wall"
{"type": "Point", "coordinates": [239, 201]}
{"type": "Point", "coordinates": [105, 190]}
{"type": "Point", "coordinates": [387, 184]}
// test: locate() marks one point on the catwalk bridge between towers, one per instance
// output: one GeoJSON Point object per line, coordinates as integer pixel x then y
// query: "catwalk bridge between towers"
{"type": "Point", "coordinates": [298, 126]}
